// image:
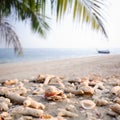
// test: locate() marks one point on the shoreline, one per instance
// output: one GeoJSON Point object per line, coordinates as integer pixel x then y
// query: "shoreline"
{"type": "Point", "coordinates": [104, 65]}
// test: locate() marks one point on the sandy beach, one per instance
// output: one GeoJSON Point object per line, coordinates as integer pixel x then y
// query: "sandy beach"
{"type": "Point", "coordinates": [73, 81]}
{"type": "Point", "coordinates": [104, 65]}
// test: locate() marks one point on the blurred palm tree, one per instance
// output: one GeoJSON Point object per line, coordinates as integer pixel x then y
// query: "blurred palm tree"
{"type": "Point", "coordinates": [89, 11]}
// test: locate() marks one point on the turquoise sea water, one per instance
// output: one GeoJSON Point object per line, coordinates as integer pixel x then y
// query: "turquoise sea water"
{"type": "Point", "coordinates": [8, 56]}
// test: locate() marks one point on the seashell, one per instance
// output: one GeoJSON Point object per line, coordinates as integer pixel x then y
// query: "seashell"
{"type": "Point", "coordinates": [40, 78]}
{"type": "Point", "coordinates": [115, 108]}
{"type": "Point", "coordinates": [69, 95]}
{"type": "Point", "coordinates": [87, 104]}
{"type": "Point", "coordinates": [84, 81]}
{"type": "Point", "coordinates": [99, 85]}
{"type": "Point", "coordinates": [101, 102]}
{"type": "Point", "coordinates": [117, 100]}
{"type": "Point", "coordinates": [87, 90]}
{"type": "Point", "coordinates": [71, 108]}
{"type": "Point", "coordinates": [53, 93]}
{"type": "Point", "coordinates": [93, 83]}
{"type": "Point", "coordinates": [115, 90]}
{"type": "Point", "coordinates": [10, 82]}
{"type": "Point", "coordinates": [94, 80]}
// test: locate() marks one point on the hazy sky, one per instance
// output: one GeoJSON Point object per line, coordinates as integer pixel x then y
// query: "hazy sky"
{"type": "Point", "coordinates": [69, 34]}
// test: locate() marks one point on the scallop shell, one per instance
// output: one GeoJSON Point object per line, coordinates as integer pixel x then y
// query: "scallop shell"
{"type": "Point", "coordinates": [87, 104]}
{"type": "Point", "coordinates": [116, 90]}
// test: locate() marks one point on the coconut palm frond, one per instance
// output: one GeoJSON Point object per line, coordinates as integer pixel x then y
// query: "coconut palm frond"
{"type": "Point", "coordinates": [89, 11]}
{"type": "Point", "coordinates": [94, 9]}
{"type": "Point", "coordinates": [36, 13]}
{"type": "Point", "coordinates": [8, 35]}
{"type": "Point", "coordinates": [34, 10]}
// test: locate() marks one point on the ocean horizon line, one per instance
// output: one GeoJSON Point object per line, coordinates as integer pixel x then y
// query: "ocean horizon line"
{"type": "Point", "coordinates": [7, 55]}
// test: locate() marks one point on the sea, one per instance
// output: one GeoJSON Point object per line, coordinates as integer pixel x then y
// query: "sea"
{"type": "Point", "coordinates": [7, 55]}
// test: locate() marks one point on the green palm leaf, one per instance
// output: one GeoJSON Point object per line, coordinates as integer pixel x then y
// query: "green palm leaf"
{"type": "Point", "coordinates": [89, 11]}
{"type": "Point", "coordinates": [9, 36]}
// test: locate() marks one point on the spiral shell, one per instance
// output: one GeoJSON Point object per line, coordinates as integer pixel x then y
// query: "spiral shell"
{"type": "Point", "coordinates": [53, 93]}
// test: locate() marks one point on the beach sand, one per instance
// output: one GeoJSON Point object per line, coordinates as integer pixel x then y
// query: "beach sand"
{"type": "Point", "coordinates": [105, 66]}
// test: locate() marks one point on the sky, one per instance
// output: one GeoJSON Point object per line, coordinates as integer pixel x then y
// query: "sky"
{"type": "Point", "coordinates": [69, 34]}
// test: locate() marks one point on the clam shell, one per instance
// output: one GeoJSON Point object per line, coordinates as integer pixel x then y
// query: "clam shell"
{"type": "Point", "coordinates": [87, 104]}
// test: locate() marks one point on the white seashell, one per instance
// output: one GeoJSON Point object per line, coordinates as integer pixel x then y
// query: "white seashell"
{"type": "Point", "coordinates": [87, 104]}
{"type": "Point", "coordinates": [115, 90]}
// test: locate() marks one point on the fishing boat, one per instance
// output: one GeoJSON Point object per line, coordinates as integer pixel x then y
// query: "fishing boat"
{"type": "Point", "coordinates": [103, 51]}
